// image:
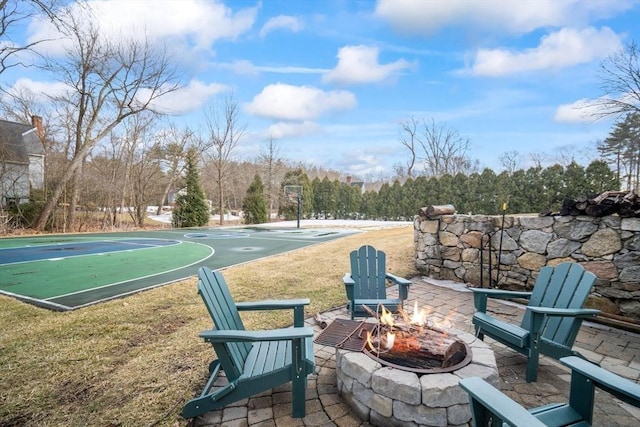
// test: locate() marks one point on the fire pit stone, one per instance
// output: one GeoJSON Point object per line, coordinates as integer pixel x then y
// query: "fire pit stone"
{"type": "Point", "coordinates": [387, 396]}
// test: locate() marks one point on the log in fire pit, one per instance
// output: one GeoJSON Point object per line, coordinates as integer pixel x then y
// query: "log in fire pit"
{"type": "Point", "coordinates": [411, 344]}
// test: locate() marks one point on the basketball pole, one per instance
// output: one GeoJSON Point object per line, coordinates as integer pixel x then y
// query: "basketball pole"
{"type": "Point", "coordinates": [298, 211]}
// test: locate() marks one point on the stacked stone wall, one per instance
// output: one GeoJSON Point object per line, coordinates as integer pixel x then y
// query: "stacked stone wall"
{"type": "Point", "coordinates": [449, 247]}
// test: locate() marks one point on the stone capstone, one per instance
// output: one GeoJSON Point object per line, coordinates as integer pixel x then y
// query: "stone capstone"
{"type": "Point", "coordinates": [442, 390]}
{"type": "Point", "coordinates": [577, 230]}
{"type": "Point", "coordinates": [536, 223]}
{"type": "Point", "coordinates": [359, 367]}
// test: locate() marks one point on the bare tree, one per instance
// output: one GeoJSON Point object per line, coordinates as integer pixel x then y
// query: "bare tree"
{"type": "Point", "coordinates": [510, 161]}
{"type": "Point", "coordinates": [170, 151]}
{"type": "Point", "coordinates": [273, 169]}
{"type": "Point", "coordinates": [408, 139]}
{"type": "Point", "coordinates": [142, 171]}
{"type": "Point", "coordinates": [12, 14]}
{"type": "Point", "coordinates": [109, 80]}
{"type": "Point", "coordinates": [444, 150]}
{"type": "Point", "coordinates": [538, 159]}
{"type": "Point", "coordinates": [223, 134]}
{"type": "Point", "coordinates": [620, 83]}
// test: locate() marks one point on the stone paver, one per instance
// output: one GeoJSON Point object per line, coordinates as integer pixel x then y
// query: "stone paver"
{"type": "Point", "coordinates": [614, 349]}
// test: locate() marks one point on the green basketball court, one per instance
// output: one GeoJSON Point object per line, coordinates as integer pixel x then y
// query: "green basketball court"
{"type": "Point", "coordinates": [64, 272]}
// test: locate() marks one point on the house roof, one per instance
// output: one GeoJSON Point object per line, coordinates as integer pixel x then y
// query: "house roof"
{"type": "Point", "coordinates": [18, 142]}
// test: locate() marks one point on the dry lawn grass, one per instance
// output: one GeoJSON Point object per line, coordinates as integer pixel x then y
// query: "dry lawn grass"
{"type": "Point", "coordinates": [136, 361]}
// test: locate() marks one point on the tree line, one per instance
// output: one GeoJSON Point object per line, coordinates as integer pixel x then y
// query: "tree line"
{"type": "Point", "coordinates": [533, 190]}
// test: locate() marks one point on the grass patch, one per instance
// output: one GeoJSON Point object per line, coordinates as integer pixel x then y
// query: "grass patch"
{"type": "Point", "coordinates": [135, 361]}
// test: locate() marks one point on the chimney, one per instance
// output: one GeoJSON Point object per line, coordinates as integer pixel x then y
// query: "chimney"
{"type": "Point", "coordinates": [348, 179]}
{"type": "Point", "coordinates": [36, 122]}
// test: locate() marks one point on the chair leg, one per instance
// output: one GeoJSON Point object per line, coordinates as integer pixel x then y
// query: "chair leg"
{"type": "Point", "coordinates": [299, 396]}
{"type": "Point", "coordinates": [581, 395]}
{"type": "Point", "coordinates": [532, 362]}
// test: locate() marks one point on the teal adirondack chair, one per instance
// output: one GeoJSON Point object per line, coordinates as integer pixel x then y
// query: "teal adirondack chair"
{"type": "Point", "coordinates": [253, 361]}
{"type": "Point", "coordinates": [366, 284]}
{"type": "Point", "coordinates": [552, 318]}
{"type": "Point", "coordinates": [490, 407]}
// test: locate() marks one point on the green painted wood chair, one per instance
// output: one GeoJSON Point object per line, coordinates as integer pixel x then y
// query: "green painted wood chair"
{"type": "Point", "coordinates": [366, 284]}
{"type": "Point", "coordinates": [253, 361]}
{"type": "Point", "coordinates": [490, 407]}
{"type": "Point", "coordinates": [551, 320]}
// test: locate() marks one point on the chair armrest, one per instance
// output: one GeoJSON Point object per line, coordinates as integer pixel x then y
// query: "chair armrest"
{"type": "Point", "coordinates": [296, 304]}
{"type": "Point", "coordinates": [281, 304]}
{"type": "Point", "coordinates": [397, 279]}
{"type": "Point", "coordinates": [282, 334]}
{"type": "Point", "coordinates": [480, 296]}
{"type": "Point", "coordinates": [497, 403]}
{"type": "Point", "coordinates": [502, 294]}
{"type": "Point", "coordinates": [565, 312]}
{"type": "Point", "coordinates": [348, 280]}
{"type": "Point", "coordinates": [403, 285]}
{"type": "Point", "coordinates": [349, 286]}
{"type": "Point", "coordinates": [616, 385]}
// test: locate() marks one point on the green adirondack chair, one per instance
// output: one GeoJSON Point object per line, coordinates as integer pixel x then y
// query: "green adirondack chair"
{"type": "Point", "coordinates": [366, 284]}
{"type": "Point", "coordinates": [552, 318]}
{"type": "Point", "coordinates": [253, 361]}
{"type": "Point", "coordinates": [490, 407]}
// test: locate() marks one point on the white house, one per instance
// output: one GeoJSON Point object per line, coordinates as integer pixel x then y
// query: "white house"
{"type": "Point", "coordinates": [21, 160]}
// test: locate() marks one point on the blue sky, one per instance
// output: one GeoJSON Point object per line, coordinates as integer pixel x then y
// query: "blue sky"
{"type": "Point", "coordinates": [331, 81]}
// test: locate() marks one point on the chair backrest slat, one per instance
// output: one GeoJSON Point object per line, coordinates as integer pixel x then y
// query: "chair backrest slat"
{"type": "Point", "coordinates": [214, 291]}
{"type": "Point", "coordinates": [566, 285]}
{"type": "Point", "coordinates": [368, 267]}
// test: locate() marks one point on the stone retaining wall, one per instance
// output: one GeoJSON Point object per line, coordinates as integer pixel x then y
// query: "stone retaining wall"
{"type": "Point", "coordinates": [448, 247]}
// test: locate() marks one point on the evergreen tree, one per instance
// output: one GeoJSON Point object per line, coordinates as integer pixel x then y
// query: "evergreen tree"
{"type": "Point", "coordinates": [575, 184]}
{"type": "Point", "coordinates": [600, 178]}
{"type": "Point", "coordinates": [192, 209]}
{"type": "Point", "coordinates": [621, 149]}
{"type": "Point", "coordinates": [554, 191]}
{"type": "Point", "coordinates": [255, 203]}
{"type": "Point", "coordinates": [289, 208]}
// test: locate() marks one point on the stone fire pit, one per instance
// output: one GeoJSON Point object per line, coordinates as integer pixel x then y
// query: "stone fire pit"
{"type": "Point", "coordinates": [387, 396]}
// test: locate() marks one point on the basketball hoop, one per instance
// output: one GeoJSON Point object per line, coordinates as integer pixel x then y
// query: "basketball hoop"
{"type": "Point", "coordinates": [294, 194]}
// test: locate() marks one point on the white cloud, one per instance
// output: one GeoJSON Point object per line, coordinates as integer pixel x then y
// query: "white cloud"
{"type": "Point", "coordinates": [281, 22]}
{"type": "Point", "coordinates": [192, 22]}
{"type": "Point", "coordinates": [362, 164]}
{"type": "Point", "coordinates": [359, 64]}
{"type": "Point", "coordinates": [292, 70]}
{"type": "Point", "coordinates": [248, 68]}
{"type": "Point", "coordinates": [564, 48]}
{"type": "Point", "coordinates": [516, 17]}
{"type": "Point", "coordinates": [288, 129]}
{"type": "Point", "coordinates": [39, 91]}
{"type": "Point", "coordinates": [589, 110]}
{"type": "Point", "coordinates": [286, 102]}
{"type": "Point", "coordinates": [186, 99]}
{"type": "Point", "coordinates": [241, 67]}
{"type": "Point", "coordinates": [580, 111]}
